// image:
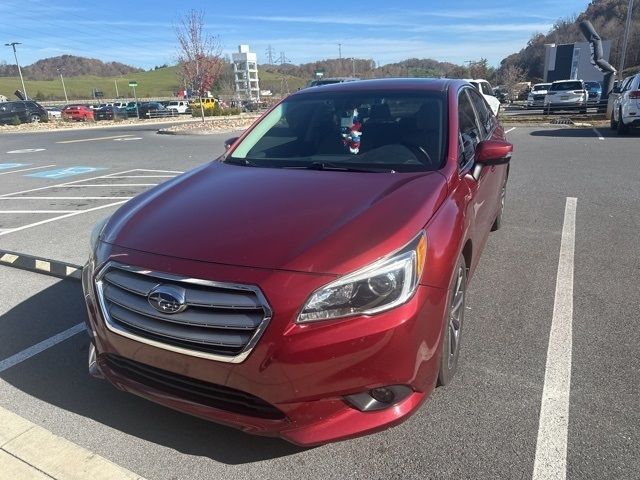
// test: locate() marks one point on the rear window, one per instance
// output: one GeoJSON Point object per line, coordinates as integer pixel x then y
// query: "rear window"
{"type": "Point", "coordinates": [544, 86]}
{"type": "Point", "coordinates": [396, 131]}
{"type": "Point", "coordinates": [566, 86]}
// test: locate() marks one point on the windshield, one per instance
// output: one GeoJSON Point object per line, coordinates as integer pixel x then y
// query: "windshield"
{"type": "Point", "coordinates": [566, 86]}
{"type": "Point", "coordinates": [370, 131]}
{"type": "Point", "coordinates": [592, 85]}
{"type": "Point", "coordinates": [542, 86]}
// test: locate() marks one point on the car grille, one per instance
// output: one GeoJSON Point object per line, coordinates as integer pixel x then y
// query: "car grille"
{"type": "Point", "coordinates": [220, 322]}
{"type": "Point", "coordinates": [538, 97]}
{"type": "Point", "coordinates": [203, 393]}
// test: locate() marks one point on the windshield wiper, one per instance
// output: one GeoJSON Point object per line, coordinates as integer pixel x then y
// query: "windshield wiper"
{"type": "Point", "coordinates": [240, 161]}
{"type": "Point", "coordinates": [340, 168]}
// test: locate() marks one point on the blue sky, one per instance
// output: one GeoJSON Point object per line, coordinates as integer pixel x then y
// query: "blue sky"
{"type": "Point", "coordinates": [141, 32]}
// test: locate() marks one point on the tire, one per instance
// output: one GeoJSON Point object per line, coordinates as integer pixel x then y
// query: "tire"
{"type": "Point", "coordinates": [454, 319]}
{"type": "Point", "coordinates": [622, 128]}
{"type": "Point", "coordinates": [613, 124]}
{"type": "Point", "coordinates": [503, 195]}
{"type": "Point", "coordinates": [34, 118]}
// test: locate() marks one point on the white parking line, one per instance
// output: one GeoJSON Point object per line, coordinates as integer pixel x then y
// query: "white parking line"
{"type": "Point", "coordinates": [511, 129]}
{"type": "Point", "coordinates": [65, 198]}
{"type": "Point", "coordinates": [95, 138]}
{"type": "Point", "coordinates": [81, 185]}
{"type": "Point", "coordinates": [56, 185]}
{"type": "Point", "coordinates": [598, 134]}
{"type": "Point", "coordinates": [551, 448]}
{"type": "Point", "coordinates": [39, 211]}
{"type": "Point", "coordinates": [26, 169]}
{"type": "Point", "coordinates": [142, 176]}
{"type": "Point", "coordinates": [40, 347]}
{"type": "Point", "coordinates": [79, 212]}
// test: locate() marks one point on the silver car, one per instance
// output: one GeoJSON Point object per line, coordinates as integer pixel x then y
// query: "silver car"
{"type": "Point", "coordinates": [566, 94]}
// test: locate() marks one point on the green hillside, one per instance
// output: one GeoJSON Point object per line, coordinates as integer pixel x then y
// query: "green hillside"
{"type": "Point", "coordinates": [156, 83]}
{"type": "Point", "coordinates": [163, 82]}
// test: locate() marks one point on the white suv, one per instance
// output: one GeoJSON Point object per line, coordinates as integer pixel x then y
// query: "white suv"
{"type": "Point", "coordinates": [565, 95]}
{"type": "Point", "coordinates": [484, 87]}
{"type": "Point", "coordinates": [626, 108]}
{"type": "Point", "coordinates": [180, 106]}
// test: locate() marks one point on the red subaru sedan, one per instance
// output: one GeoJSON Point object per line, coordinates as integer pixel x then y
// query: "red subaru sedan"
{"type": "Point", "coordinates": [309, 283]}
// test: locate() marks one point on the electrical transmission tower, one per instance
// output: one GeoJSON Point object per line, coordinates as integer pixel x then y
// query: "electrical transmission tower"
{"type": "Point", "coordinates": [284, 81]}
{"type": "Point", "coordinates": [270, 52]}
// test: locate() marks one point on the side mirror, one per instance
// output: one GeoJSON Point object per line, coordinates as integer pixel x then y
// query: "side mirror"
{"type": "Point", "coordinates": [230, 141]}
{"type": "Point", "coordinates": [493, 152]}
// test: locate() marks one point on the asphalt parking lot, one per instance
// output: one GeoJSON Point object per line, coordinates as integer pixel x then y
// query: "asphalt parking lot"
{"type": "Point", "coordinates": [487, 424]}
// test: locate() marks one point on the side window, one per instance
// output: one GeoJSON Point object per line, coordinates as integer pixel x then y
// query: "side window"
{"type": "Point", "coordinates": [485, 117]}
{"type": "Point", "coordinates": [468, 133]}
{"type": "Point", "coordinates": [486, 89]}
{"type": "Point", "coordinates": [626, 84]}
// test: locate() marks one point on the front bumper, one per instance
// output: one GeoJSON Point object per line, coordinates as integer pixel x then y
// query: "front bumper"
{"type": "Point", "coordinates": [302, 371]}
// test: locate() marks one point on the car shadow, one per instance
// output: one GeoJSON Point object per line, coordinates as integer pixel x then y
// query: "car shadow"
{"type": "Point", "coordinates": [567, 132]}
{"type": "Point", "coordinates": [58, 376]}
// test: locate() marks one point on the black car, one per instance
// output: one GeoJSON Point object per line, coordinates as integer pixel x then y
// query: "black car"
{"type": "Point", "coordinates": [154, 110]}
{"type": "Point", "coordinates": [110, 113]}
{"type": "Point", "coordinates": [26, 111]}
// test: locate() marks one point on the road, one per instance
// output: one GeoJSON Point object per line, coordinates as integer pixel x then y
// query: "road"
{"type": "Point", "coordinates": [484, 425]}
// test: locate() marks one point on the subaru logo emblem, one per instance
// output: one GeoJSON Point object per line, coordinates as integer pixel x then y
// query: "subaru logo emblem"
{"type": "Point", "coordinates": [168, 299]}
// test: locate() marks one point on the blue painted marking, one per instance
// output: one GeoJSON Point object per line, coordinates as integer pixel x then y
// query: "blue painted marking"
{"type": "Point", "coordinates": [64, 172]}
{"type": "Point", "coordinates": [4, 166]}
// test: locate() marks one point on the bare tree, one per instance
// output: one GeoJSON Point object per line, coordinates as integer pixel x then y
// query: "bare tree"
{"type": "Point", "coordinates": [199, 59]}
{"type": "Point", "coordinates": [511, 76]}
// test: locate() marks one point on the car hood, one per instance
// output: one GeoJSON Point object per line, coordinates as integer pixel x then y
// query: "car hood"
{"type": "Point", "coordinates": [299, 220]}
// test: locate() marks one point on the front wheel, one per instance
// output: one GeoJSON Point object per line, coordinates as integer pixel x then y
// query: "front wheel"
{"type": "Point", "coordinates": [34, 118]}
{"type": "Point", "coordinates": [612, 123]}
{"type": "Point", "coordinates": [452, 334]}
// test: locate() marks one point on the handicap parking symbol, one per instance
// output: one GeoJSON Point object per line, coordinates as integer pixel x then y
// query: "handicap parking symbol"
{"type": "Point", "coordinates": [5, 166]}
{"type": "Point", "coordinates": [64, 172]}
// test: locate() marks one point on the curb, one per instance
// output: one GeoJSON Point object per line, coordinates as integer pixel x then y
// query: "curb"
{"type": "Point", "coordinates": [41, 265]}
{"type": "Point", "coordinates": [199, 132]}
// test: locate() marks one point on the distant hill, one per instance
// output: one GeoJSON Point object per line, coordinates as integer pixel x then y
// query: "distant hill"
{"type": "Point", "coordinates": [365, 68]}
{"type": "Point", "coordinates": [72, 66]}
{"type": "Point", "coordinates": [607, 16]}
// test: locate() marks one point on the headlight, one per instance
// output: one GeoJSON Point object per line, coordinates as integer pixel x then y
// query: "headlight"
{"type": "Point", "coordinates": [375, 288]}
{"type": "Point", "coordinates": [95, 233]}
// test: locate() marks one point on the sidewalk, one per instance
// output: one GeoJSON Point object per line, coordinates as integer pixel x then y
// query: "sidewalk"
{"type": "Point", "coordinates": [29, 452]}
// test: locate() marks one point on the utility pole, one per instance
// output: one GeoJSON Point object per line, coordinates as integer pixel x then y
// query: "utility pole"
{"type": "Point", "coordinates": [625, 38]}
{"type": "Point", "coordinates": [270, 52]}
{"type": "Point", "coordinates": [353, 67]}
{"type": "Point", "coordinates": [64, 89]}
{"type": "Point", "coordinates": [115, 82]}
{"type": "Point", "coordinates": [13, 44]}
{"type": "Point", "coordinates": [340, 57]}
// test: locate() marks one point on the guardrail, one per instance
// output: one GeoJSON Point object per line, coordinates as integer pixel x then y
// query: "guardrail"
{"type": "Point", "coordinates": [160, 114]}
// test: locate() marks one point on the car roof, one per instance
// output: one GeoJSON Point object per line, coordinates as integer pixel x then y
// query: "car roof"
{"type": "Point", "coordinates": [386, 84]}
{"type": "Point", "coordinates": [564, 81]}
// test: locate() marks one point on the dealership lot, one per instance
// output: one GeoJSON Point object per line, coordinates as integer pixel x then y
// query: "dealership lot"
{"type": "Point", "coordinates": [55, 186]}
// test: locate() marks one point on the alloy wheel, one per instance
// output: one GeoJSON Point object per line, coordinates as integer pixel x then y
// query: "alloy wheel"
{"type": "Point", "coordinates": [456, 316]}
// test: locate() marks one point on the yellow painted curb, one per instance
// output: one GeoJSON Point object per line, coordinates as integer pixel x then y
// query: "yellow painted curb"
{"type": "Point", "coordinates": [26, 447]}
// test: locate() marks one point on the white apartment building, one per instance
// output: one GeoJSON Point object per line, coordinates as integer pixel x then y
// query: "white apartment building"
{"type": "Point", "coordinates": [245, 69]}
